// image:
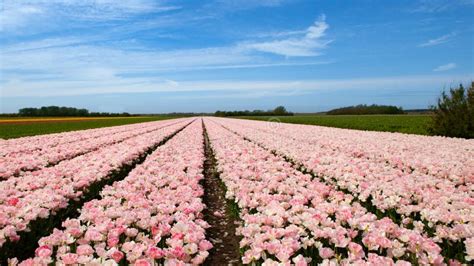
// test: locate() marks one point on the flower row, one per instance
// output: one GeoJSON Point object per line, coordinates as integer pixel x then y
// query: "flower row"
{"type": "Point", "coordinates": [291, 217]}
{"type": "Point", "coordinates": [436, 156]}
{"type": "Point", "coordinates": [151, 217]}
{"type": "Point", "coordinates": [18, 162]}
{"type": "Point", "coordinates": [437, 206]}
{"type": "Point", "coordinates": [42, 193]}
{"type": "Point", "coordinates": [38, 142]}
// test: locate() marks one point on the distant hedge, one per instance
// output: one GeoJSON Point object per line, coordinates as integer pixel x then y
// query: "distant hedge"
{"type": "Point", "coordinates": [363, 109]}
{"type": "Point", "coordinates": [63, 111]}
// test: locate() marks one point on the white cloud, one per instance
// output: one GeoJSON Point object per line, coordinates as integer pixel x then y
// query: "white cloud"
{"type": "Point", "coordinates": [436, 41]}
{"type": "Point", "coordinates": [437, 6]}
{"type": "Point", "coordinates": [16, 15]}
{"type": "Point", "coordinates": [45, 44]}
{"type": "Point", "coordinates": [278, 34]}
{"type": "Point", "coordinates": [254, 65]}
{"type": "Point", "coordinates": [11, 18]}
{"type": "Point", "coordinates": [309, 44]}
{"type": "Point", "coordinates": [446, 67]}
{"type": "Point", "coordinates": [56, 55]}
{"type": "Point", "coordinates": [62, 56]}
{"type": "Point", "coordinates": [247, 95]}
{"type": "Point", "coordinates": [117, 84]}
{"type": "Point", "coordinates": [234, 5]}
{"type": "Point", "coordinates": [431, 6]}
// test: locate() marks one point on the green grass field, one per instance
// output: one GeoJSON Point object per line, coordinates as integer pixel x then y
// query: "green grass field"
{"type": "Point", "coordinates": [413, 124]}
{"type": "Point", "coordinates": [31, 128]}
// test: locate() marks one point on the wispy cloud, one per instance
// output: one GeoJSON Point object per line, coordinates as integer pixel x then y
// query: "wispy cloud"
{"type": "Point", "coordinates": [439, 40]}
{"type": "Point", "coordinates": [64, 60]}
{"type": "Point", "coordinates": [236, 5]}
{"type": "Point", "coordinates": [436, 6]}
{"type": "Point", "coordinates": [59, 58]}
{"type": "Point", "coordinates": [47, 43]}
{"type": "Point", "coordinates": [431, 6]}
{"type": "Point", "coordinates": [115, 84]}
{"type": "Point", "coordinates": [254, 94]}
{"type": "Point", "coordinates": [309, 44]}
{"type": "Point", "coordinates": [68, 62]}
{"type": "Point", "coordinates": [17, 15]}
{"type": "Point", "coordinates": [278, 34]}
{"type": "Point", "coordinates": [445, 67]}
{"type": "Point", "coordinates": [265, 65]}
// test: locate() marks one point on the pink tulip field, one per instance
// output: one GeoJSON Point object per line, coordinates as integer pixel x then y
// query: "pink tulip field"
{"type": "Point", "coordinates": [297, 194]}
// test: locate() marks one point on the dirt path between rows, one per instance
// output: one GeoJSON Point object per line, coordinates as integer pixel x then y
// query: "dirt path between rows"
{"type": "Point", "coordinates": [223, 222]}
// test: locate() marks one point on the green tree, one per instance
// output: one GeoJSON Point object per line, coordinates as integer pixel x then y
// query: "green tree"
{"type": "Point", "coordinates": [453, 116]}
{"type": "Point", "coordinates": [280, 110]}
{"type": "Point", "coordinates": [470, 104]}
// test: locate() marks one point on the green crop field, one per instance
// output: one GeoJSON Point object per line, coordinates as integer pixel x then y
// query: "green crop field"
{"type": "Point", "coordinates": [413, 124]}
{"type": "Point", "coordinates": [15, 127]}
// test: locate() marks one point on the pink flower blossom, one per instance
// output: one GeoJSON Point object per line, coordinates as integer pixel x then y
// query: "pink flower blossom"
{"type": "Point", "coordinates": [69, 258]}
{"type": "Point", "coordinates": [326, 253]}
{"type": "Point", "coordinates": [155, 253]}
{"type": "Point", "coordinates": [13, 201]}
{"type": "Point", "coordinates": [142, 262]}
{"type": "Point", "coordinates": [112, 241]}
{"type": "Point", "coordinates": [116, 255]}
{"type": "Point", "coordinates": [205, 245]}
{"type": "Point", "coordinates": [84, 250]}
{"type": "Point", "coordinates": [43, 251]}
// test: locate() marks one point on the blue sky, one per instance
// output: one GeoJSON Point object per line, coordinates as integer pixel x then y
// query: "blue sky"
{"type": "Point", "coordinates": [144, 56]}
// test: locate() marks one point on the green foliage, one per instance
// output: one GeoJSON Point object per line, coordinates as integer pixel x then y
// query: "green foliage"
{"type": "Point", "coordinates": [454, 114]}
{"type": "Point", "coordinates": [15, 130]}
{"type": "Point", "coordinates": [62, 111]}
{"type": "Point", "coordinates": [363, 109]}
{"type": "Point", "coordinates": [413, 124]}
{"type": "Point", "coordinates": [278, 111]}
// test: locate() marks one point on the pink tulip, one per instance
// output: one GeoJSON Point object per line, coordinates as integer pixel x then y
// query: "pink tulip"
{"type": "Point", "coordinates": [142, 262]}
{"type": "Point", "coordinates": [69, 258]}
{"type": "Point", "coordinates": [43, 251]}
{"type": "Point", "coordinates": [117, 256]}
{"type": "Point", "coordinates": [205, 245]}
{"type": "Point", "coordinates": [326, 253]}
{"type": "Point", "coordinates": [356, 251]}
{"type": "Point", "coordinates": [84, 250]}
{"type": "Point", "coordinates": [155, 253]}
{"type": "Point", "coordinates": [13, 201]}
{"type": "Point", "coordinates": [112, 241]}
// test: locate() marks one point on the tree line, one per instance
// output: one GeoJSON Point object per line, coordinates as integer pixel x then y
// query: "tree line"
{"type": "Point", "coordinates": [363, 109]}
{"type": "Point", "coordinates": [278, 111]}
{"type": "Point", "coordinates": [63, 111]}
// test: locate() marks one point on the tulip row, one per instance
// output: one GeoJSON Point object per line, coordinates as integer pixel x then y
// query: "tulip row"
{"type": "Point", "coordinates": [436, 206]}
{"type": "Point", "coordinates": [151, 217]}
{"type": "Point", "coordinates": [38, 142]}
{"type": "Point", "coordinates": [32, 203]}
{"type": "Point", "coordinates": [436, 156]}
{"type": "Point", "coordinates": [16, 163]}
{"type": "Point", "coordinates": [291, 217]}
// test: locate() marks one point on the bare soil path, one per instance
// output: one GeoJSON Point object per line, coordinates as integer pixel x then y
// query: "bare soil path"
{"type": "Point", "coordinates": [222, 219]}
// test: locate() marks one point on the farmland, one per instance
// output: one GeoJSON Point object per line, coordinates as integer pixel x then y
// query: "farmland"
{"type": "Point", "coordinates": [412, 124]}
{"type": "Point", "coordinates": [14, 127]}
{"type": "Point", "coordinates": [218, 191]}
